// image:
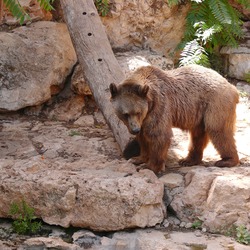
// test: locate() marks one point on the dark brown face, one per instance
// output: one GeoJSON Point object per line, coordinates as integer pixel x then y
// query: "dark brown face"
{"type": "Point", "coordinates": [131, 108]}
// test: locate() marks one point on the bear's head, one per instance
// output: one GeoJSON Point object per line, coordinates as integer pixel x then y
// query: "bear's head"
{"type": "Point", "coordinates": [130, 104]}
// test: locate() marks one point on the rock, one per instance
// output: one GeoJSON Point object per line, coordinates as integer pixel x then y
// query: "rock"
{"type": "Point", "coordinates": [4, 246]}
{"type": "Point", "coordinates": [86, 239]}
{"type": "Point", "coordinates": [47, 243]}
{"type": "Point", "coordinates": [69, 110]}
{"type": "Point", "coordinates": [237, 60]}
{"type": "Point", "coordinates": [58, 233]}
{"type": "Point", "coordinates": [86, 121]}
{"type": "Point", "coordinates": [145, 24]}
{"type": "Point", "coordinates": [46, 51]}
{"type": "Point", "coordinates": [218, 197]}
{"type": "Point", "coordinates": [183, 224]}
{"type": "Point", "coordinates": [34, 10]}
{"type": "Point", "coordinates": [160, 240]}
{"type": "Point", "coordinates": [174, 221]}
{"type": "Point", "coordinates": [140, 239]}
{"type": "Point", "coordinates": [172, 180]}
{"type": "Point", "coordinates": [166, 223]}
{"type": "Point", "coordinates": [83, 200]}
{"type": "Point", "coordinates": [75, 177]}
{"type": "Point", "coordinates": [130, 61]}
{"type": "Point", "coordinates": [189, 225]}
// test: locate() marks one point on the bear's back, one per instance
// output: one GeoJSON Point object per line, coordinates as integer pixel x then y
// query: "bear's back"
{"type": "Point", "coordinates": [187, 92]}
{"type": "Point", "coordinates": [193, 81]}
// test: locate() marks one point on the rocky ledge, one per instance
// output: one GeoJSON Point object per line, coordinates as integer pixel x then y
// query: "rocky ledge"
{"type": "Point", "coordinates": [73, 175]}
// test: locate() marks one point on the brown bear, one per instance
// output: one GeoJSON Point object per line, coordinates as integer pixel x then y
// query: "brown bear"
{"type": "Point", "coordinates": [194, 98]}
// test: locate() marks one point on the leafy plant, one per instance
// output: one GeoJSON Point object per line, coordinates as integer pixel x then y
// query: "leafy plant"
{"type": "Point", "coordinates": [102, 7]}
{"type": "Point", "coordinates": [24, 218]}
{"type": "Point", "coordinates": [209, 25]}
{"type": "Point", "coordinates": [18, 11]}
{"type": "Point", "coordinates": [197, 224]}
{"type": "Point", "coordinates": [242, 235]}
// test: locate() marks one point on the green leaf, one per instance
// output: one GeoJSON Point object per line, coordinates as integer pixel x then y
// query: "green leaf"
{"type": "Point", "coordinates": [46, 4]}
{"type": "Point", "coordinates": [17, 10]}
{"type": "Point", "coordinates": [24, 218]}
{"type": "Point", "coordinates": [193, 53]}
{"type": "Point", "coordinates": [102, 7]}
{"type": "Point", "coordinates": [220, 10]}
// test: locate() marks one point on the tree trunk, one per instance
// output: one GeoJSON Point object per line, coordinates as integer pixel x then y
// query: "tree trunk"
{"type": "Point", "coordinates": [96, 58]}
{"type": "Point", "coordinates": [1, 12]}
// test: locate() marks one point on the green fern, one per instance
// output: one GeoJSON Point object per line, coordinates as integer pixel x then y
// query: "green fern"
{"type": "Point", "coordinates": [102, 7]}
{"type": "Point", "coordinates": [220, 11]}
{"type": "Point", "coordinates": [46, 4]}
{"type": "Point", "coordinates": [193, 53]}
{"type": "Point", "coordinates": [212, 23]}
{"type": "Point", "coordinates": [18, 11]}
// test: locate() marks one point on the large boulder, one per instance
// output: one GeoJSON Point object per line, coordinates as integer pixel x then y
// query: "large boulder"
{"type": "Point", "coordinates": [34, 63]}
{"type": "Point", "coordinates": [217, 197]}
{"type": "Point", "coordinates": [75, 176]}
{"type": "Point", "coordinates": [145, 24]}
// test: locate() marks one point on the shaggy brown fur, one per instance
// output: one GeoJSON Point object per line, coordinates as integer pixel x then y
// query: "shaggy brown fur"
{"type": "Point", "coordinates": [151, 101]}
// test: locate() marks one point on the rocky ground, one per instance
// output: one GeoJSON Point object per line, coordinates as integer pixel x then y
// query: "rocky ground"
{"type": "Point", "coordinates": [73, 174]}
{"type": "Point", "coordinates": [60, 157]}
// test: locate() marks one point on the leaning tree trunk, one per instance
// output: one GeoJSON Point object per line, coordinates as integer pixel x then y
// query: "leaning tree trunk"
{"type": "Point", "coordinates": [96, 59]}
{"type": "Point", "coordinates": [1, 11]}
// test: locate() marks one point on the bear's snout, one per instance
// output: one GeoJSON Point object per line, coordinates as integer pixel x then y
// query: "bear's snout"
{"type": "Point", "coordinates": [135, 131]}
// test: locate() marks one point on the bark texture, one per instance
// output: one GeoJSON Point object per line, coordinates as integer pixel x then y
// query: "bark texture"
{"type": "Point", "coordinates": [96, 58]}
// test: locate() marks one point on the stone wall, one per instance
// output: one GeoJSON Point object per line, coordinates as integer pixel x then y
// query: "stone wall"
{"type": "Point", "coordinates": [237, 60]}
{"type": "Point", "coordinates": [145, 24]}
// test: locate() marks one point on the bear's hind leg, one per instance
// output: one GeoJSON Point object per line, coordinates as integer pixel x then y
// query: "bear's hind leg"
{"type": "Point", "coordinates": [198, 141]}
{"type": "Point", "coordinates": [224, 143]}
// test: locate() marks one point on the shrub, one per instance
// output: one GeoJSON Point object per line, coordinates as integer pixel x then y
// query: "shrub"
{"type": "Point", "coordinates": [210, 24]}
{"type": "Point", "coordinates": [24, 218]}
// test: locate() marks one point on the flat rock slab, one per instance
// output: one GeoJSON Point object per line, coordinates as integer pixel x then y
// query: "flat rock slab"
{"type": "Point", "coordinates": [75, 176]}
{"type": "Point", "coordinates": [148, 239]}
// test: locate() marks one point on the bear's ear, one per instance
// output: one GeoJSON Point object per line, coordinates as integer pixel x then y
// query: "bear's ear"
{"type": "Point", "coordinates": [113, 90]}
{"type": "Point", "coordinates": [143, 90]}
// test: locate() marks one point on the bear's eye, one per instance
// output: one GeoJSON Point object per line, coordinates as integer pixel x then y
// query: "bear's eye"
{"type": "Point", "coordinates": [138, 113]}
